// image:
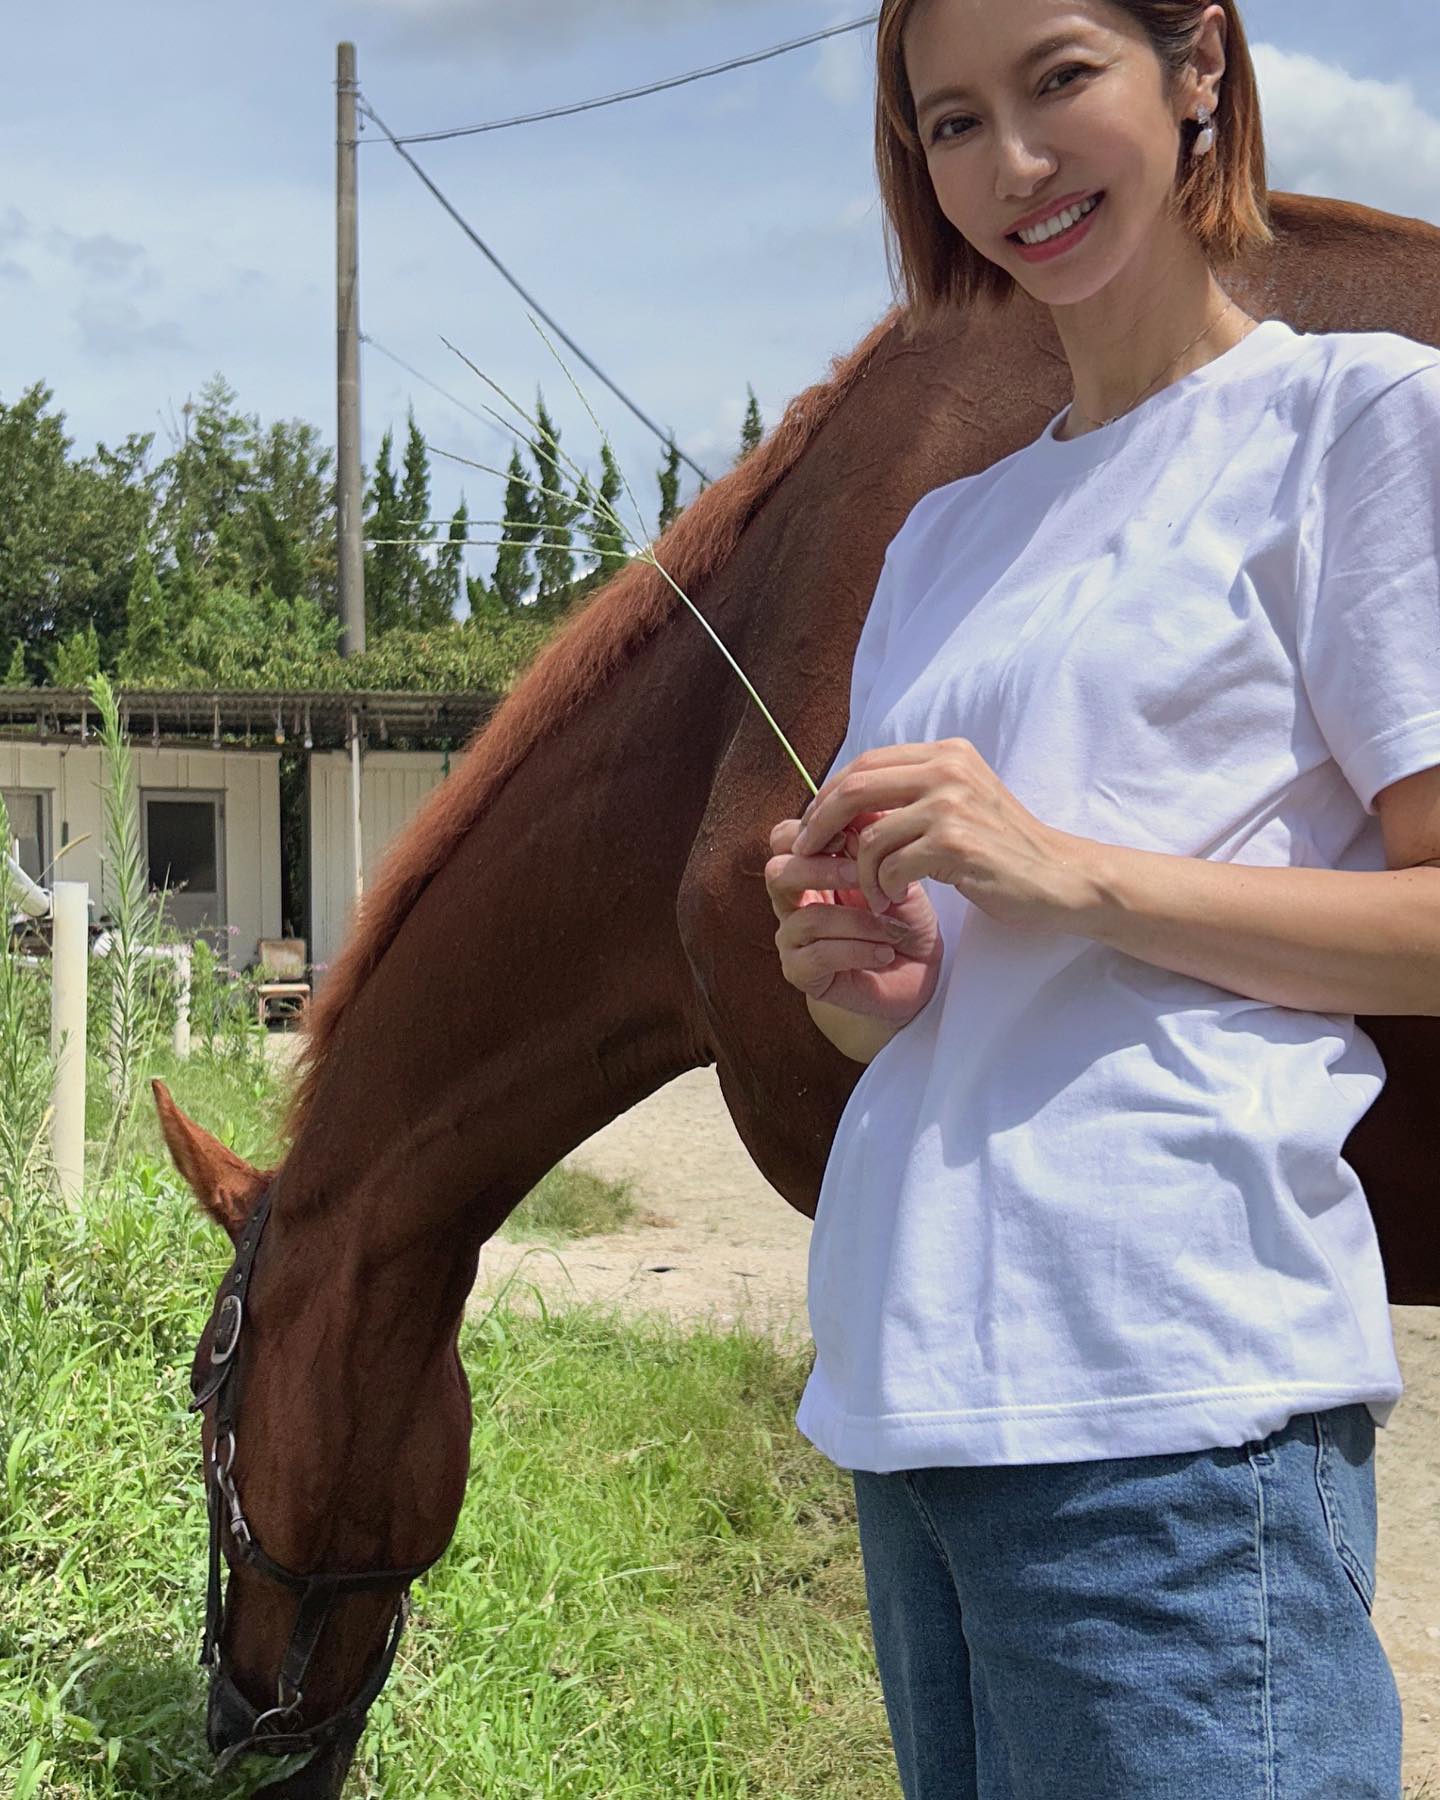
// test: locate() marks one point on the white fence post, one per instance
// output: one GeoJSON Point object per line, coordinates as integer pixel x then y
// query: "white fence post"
{"type": "Point", "coordinates": [70, 972]}
{"type": "Point", "coordinates": [181, 954]}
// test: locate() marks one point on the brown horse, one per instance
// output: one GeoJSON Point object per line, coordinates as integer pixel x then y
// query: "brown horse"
{"type": "Point", "coordinates": [578, 915]}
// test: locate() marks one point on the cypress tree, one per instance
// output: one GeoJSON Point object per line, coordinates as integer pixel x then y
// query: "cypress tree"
{"type": "Point", "coordinates": [415, 565]}
{"type": "Point", "coordinates": [751, 431]}
{"type": "Point", "coordinates": [384, 569]}
{"type": "Point", "coordinates": [522, 514]}
{"type": "Point", "coordinates": [554, 559]}
{"type": "Point", "coordinates": [148, 648]}
{"type": "Point", "coordinates": [669, 479]}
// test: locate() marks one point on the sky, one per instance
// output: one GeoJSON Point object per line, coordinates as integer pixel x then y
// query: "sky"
{"type": "Point", "coordinates": [167, 208]}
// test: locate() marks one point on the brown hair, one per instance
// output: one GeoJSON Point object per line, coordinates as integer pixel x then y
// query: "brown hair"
{"type": "Point", "coordinates": [1223, 196]}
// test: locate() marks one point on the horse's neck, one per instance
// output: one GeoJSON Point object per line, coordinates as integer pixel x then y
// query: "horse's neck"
{"type": "Point", "coordinates": [536, 990]}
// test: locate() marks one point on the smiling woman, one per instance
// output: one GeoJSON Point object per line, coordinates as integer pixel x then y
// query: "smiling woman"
{"type": "Point", "coordinates": [1095, 887]}
{"type": "Point", "coordinates": [1104, 56]}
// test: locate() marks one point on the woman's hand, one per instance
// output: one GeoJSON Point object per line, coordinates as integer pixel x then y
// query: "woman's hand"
{"type": "Point", "coordinates": [831, 943]}
{"type": "Point", "coordinates": [940, 811]}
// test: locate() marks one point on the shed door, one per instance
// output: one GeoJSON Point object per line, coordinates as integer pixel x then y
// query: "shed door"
{"type": "Point", "coordinates": [184, 845]}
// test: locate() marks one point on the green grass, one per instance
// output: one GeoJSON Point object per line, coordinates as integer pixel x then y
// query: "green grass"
{"type": "Point", "coordinates": [655, 1586]}
{"type": "Point", "coordinates": [571, 1202]}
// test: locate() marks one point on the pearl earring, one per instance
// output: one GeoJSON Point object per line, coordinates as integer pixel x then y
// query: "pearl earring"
{"type": "Point", "coordinates": [1206, 140]}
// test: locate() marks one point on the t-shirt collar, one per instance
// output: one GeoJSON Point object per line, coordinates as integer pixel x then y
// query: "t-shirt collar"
{"type": "Point", "coordinates": [1065, 456]}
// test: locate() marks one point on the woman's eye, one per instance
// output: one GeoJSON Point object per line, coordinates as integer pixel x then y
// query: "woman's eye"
{"type": "Point", "coordinates": [964, 118]}
{"type": "Point", "coordinates": [935, 135]}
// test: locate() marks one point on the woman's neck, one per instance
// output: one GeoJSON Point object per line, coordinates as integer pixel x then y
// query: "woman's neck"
{"type": "Point", "coordinates": [1122, 356]}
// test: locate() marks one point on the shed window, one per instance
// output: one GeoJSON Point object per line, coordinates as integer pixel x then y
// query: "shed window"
{"type": "Point", "coordinates": [27, 810]}
{"type": "Point", "coordinates": [181, 841]}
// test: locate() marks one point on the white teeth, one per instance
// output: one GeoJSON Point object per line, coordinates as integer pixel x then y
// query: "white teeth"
{"type": "Point", "coordinates": [1061, 222]}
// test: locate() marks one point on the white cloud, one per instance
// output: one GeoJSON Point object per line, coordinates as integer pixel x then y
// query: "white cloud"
{"type": "Point", "coordinates": [1347, 136]}
{"type": "Point", "coordinates": [115, 328]}
{"type": "Point", "coordinates": [737, 94]}
{"type": "Point", "coordinates": [15, 228]}
{"type": "Point", "coordinates": [844, 65]}
{"type": "Point", "coordinates": [101, 256]}
{"type": "Point", "coordinates": [550, 27]}
{"type": "Point", "coordinates": [825, 243]}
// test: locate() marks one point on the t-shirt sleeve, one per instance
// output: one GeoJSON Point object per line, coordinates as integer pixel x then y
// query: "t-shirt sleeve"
{"type": "Point", "coordinates": [869, 654]}
{"type": "Point", "coordinates": [1369, 623]}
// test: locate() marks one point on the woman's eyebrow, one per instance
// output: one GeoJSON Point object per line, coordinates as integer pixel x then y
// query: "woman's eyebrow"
{"type": "Point", "coordinates": [1036, 53]}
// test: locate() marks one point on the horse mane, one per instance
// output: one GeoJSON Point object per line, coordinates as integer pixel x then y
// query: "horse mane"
{"type": "Point", "coordinates": [582, 655]}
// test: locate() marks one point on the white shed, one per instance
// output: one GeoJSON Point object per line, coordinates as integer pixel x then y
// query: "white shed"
{"type": "Point", "coordinates": [392, 785]}
{"type": "Point", "coordinates": [212, 809]}
{"type": "Point", "coordinates": [209, 827]}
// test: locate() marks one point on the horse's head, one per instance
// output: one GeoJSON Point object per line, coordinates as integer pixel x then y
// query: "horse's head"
{"type": "Point", "coordinates": [333, 1402]}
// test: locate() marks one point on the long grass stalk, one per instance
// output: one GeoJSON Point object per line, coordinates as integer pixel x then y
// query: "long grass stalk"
{"type": "Point", "coordinates": [643, 552]}
{"type": "Point", "coordinates": [26, 1071]}
{"type": "Point", "coordinates": [503, 543]}
{"type": "Point", "coordinates": [26, 1167]}
{"type": "Point", "coordinates": [559, 450]}
{"type": "Point", "coordinates": [136, 1007]}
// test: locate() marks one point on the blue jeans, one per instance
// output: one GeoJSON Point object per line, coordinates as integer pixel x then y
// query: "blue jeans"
{"type": "Point", "coordinates": [1183, 1627]}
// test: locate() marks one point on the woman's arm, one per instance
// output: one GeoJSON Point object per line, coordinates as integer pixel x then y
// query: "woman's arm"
{"type": "Point", "coordinates": [854, 1034]}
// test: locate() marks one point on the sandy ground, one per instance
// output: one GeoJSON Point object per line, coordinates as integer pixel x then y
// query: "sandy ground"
{"type": "Point", "coordinates": [718, 1241]}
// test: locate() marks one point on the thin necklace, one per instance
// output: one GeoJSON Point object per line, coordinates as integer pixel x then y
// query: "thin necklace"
{"type": "Point", "coordinates": [1100, 423]}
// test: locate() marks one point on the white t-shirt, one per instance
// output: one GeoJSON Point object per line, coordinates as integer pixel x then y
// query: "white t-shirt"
{"type": "Point", "coordinates": [1082, 1206]}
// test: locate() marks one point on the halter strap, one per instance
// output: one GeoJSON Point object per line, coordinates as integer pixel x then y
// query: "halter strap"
{"type": "Point", "coordinates": [318, 1591]}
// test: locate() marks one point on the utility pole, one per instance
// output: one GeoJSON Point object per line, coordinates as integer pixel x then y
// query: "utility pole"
{"type": "Point", "coordinates": [350, 507]}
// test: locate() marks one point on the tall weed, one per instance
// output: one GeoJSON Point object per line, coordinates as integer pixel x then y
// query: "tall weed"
{"type": "Point", "coordinates": [134, 985]}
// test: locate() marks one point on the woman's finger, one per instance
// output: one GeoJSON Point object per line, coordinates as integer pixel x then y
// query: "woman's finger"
{"type": "Point", "coordinates": [788, 878]}
{"type": "Point", "coordinates": [783, 835]}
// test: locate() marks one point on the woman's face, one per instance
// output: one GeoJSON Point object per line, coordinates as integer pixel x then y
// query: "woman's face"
{"type": "Point", "coordinates": [1005, 136]}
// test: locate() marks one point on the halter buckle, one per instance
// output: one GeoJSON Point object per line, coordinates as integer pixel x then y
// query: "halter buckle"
{"type": "Point", "coordinates": [228, 1321]}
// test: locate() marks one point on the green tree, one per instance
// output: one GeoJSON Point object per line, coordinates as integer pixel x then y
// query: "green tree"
{"type": "Point", "coordinates": [607, 540]}
{"type": "Point", "coordinates": [407, 584]}
{"type": "Point", "coordinates": [444, 586]}
{"type": "Point", "coordinates": [15, 675]}
{"type": "Point", "coordinates": [669, 479]}
{"type": "Point", "coordinates": [206, 484]}
{"type": "Point", "coordinates": [511, 580]}
{"type": "Point", "coordinates": [76, 660]}
{"type": "Point", "coordinates": [34, 478]}
{"type": "Point", "coordinates": [292, 512]}
{"type": "Point", "coordinates": [249, 638]}
{"type": "Point", "coordinates": [752, 431]}
{"type": "Point", "coordinates": [384, 557]}
{"type": "Point", "coordinates": [68, 529]}
{"type": "Point", "coordinates": [150, 650]}
{"type": "Point", "coordinates": [424, 603]}
{"type": "Point", "coordinates": [556, 513]}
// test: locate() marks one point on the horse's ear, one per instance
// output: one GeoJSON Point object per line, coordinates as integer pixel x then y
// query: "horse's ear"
{"type": "Point", "coordinates": [226, 1186]}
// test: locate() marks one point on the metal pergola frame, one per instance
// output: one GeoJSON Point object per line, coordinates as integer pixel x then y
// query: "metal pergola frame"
{"type": "Point", "coordinates": [303, 719]}
{"type": "Point", "coordinates": [268, 718]}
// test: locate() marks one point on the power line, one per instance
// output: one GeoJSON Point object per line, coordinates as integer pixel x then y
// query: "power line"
{"type": "Point", "coordinates": [667, 438]}
{"type": "Point", "coordinates": [654, 87]}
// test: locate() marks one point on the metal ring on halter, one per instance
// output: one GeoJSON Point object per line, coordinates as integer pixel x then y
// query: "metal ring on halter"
{"type": "Point", "coordinates": [276, 1712]}
{"type": "Point", "coordinates": [228, 1321]}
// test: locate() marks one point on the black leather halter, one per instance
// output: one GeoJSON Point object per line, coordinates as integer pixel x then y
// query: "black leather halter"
{"type": "Point", "coordinates": [274, 1732]}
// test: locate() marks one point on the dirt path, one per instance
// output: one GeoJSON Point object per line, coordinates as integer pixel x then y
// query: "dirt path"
{"type": "Point", "coordinates": [724, 1244]}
